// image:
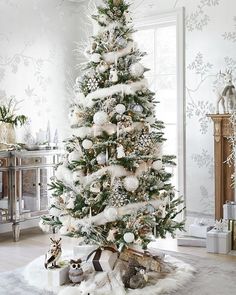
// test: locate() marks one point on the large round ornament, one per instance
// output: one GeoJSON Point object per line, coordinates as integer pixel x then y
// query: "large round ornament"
{"type": "Point", "coordinates": [100, 118]}
{"type": "Point", "coordinates": [110, 213]}
{"type": "Point", "coordinates": [117, 2]}
{"type": "Point", "coordinates": [95, 57]}
{"type": "Point", "coordinates": [120, 108]}
{"type": "Point", "coordinates": [157, 165]}
{"type": "Point", "coordinates": [136, 69]}
{"type": "Point", "coordinates": [74, 156]}
{"type": "Point", "coordinates": [129, 237]}
{"type": "Point", "coordinates": [138, 108]}
{"type": "Point", "coordinates": [87, 144]}
{"type": "Point", "coordinates": [131, 183]}
{"type": "Point", "coordinates": [101, 159]}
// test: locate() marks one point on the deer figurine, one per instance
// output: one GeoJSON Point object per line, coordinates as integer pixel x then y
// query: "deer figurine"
{"type": "Point", "coordinates": [226, 95]}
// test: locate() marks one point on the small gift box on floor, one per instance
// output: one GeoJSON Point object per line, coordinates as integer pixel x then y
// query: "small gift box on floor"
{"type": "Point", "coordinates": [219, 239]}
{"type": "Point", "coordinates": [58, 276]}
{"type": "Point", "coordinates": [229, 211]}
{"type": "Point", "coordinates": [199, 229]}
{"type": "Point", "coordinates": [103, 259]}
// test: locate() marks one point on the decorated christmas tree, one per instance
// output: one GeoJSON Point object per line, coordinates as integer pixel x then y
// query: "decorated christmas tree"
{"type": "Point", "coordinates": [112, 187]}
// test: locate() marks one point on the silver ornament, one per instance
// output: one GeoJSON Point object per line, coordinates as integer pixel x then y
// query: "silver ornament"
{"type": "Point", "coordinates": [101, 159]}
{"type": "Point", "coordinates": [100, 118]}
{"type": "Point", "coordinates": [120, 109]}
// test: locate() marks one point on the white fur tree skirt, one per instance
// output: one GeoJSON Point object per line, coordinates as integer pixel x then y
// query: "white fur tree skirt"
{"type": "Point", "coordinates": [102, 283]}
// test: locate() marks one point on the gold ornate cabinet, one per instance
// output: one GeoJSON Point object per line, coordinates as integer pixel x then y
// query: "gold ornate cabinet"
{"type": "Point", "coordinates": [223, 189]}
{"type": "Point", "coordinates": [24, 178]}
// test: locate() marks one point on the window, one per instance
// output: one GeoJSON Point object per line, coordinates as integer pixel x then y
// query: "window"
{"type": "Point", "coordinates": [162, 38]}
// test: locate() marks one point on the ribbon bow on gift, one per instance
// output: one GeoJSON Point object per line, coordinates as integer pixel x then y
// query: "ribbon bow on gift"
{"type": "Point", "coordinates": [221, 225]}
{"type": "Point", "coordinates": [230, 203]}
{"type": "Point", "coordinates": [97, 256]}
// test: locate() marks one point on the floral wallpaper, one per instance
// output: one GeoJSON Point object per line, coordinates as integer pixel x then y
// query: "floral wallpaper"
{"type": "Point", "coordinates": [37, 63]}
{"type": "Point", "coordinates": [36, 59]}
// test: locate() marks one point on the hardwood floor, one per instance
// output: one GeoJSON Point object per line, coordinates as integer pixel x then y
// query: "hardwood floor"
{"type": "Point", "coordinates": [34, 243]}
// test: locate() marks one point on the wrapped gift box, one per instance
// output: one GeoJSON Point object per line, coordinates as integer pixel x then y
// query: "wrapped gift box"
{"type": "Point", "coordinates": [219, 242]}
{"type": "Point", "coordinates": [229, 211]}
{"type": "Point", "coordinates": [103, 259]}
{"type": "Point", "coordinates": [198, 230]}
{"type": "Point", "coordinates": [58, 276]}
{"type": "Point", "coordinates": [82, 251]}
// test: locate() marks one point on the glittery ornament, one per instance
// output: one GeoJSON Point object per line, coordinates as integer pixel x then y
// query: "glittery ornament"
{"type": "Point", "coordinates": [131, 183]}
{"type": "Point", "coordinates": [110, 212]}
{"type": "Point", "coordinates": [138, 108]}
{"type": "Point", "coordinates": [119, 197]}
{"type": "Point", "coordinates": [100, 118]}
{"type": "Point", "coordinates": [101, 159]}
{"type": "Point", "coordinates": [87, 144]}
{"type": "Point", "coordinates": [120, 108]}
{"type": "Point", "coordinates": [144, 143]}
{"type": "Point", "coordinates": [136, 69]}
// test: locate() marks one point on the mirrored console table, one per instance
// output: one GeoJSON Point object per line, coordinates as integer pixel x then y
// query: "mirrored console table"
{"type": "Point", "coordinates": [24, 178]}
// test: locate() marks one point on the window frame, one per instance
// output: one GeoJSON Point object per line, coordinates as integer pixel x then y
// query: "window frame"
{"type": "Point", "coordinates": [175, 16]}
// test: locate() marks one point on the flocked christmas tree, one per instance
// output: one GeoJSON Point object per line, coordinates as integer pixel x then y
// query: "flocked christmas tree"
{"type": "Point", "coordinates": [112, 186]}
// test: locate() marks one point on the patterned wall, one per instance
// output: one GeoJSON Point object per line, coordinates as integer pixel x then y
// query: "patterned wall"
{"type": "Point", "coordinates": [36, 58]}
{"type": "Point", "coordinates": [36, 62]}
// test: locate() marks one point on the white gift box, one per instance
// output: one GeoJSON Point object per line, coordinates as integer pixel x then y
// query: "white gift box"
{"type": "Point", "coordinates": [219, 242]}
{"type": "Point", "coordinates": [198, 230]}
{"type": "Point", "coordinates": [103, 259]}
{"type": "Point", "coordinates": [58, 276]}
{"type": "Point", "coordinates": [229, 211]}
{"type": "Point", "coordinates": [82, 251]}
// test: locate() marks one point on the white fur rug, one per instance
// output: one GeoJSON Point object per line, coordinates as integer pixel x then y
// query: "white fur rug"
{"type": "Point", "coordinates": [36, 276]}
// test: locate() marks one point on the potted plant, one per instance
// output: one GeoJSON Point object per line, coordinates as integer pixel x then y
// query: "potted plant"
{"type": "Point", "coordinates": [8, 121]}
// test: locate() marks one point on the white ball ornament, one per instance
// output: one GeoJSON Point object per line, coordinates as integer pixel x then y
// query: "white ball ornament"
{"type": "Point", "coordinates": [100, 118]}
{"type": "Point", "coordinates": [131, 183]}
{"type": "Point", "coordinates": [101, 158]}
{"type": "Point", "coordinates": [138, 108]}
{"type": "Point", "coordinates": [87, 144]}
{"type": "Point", "coordinates": [120, 109]}
{"type": "Point", "coordinates": [129, 237]}
{"type": "Point", "coordinates": [110, 213]}
{"type": "Point", "coordinates": [95, 57]}
{"type": "Point", "coordinates": [136, 69]}
{"type": "Point", "coordinates": [74, 156]}
{"type": "Point", "coordinates": [157, 165]}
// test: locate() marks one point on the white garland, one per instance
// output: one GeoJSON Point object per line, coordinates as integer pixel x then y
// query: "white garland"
{"type": "Point", "coordinates": [105, 217]}
{"type": "Point", "coordinates": [128, 89]}
{"type": "Point", "coordinates": [112, 57]}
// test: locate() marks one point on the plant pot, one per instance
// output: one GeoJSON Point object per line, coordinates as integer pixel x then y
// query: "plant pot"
{"type": "Point", "coordinates": [7, 134]}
